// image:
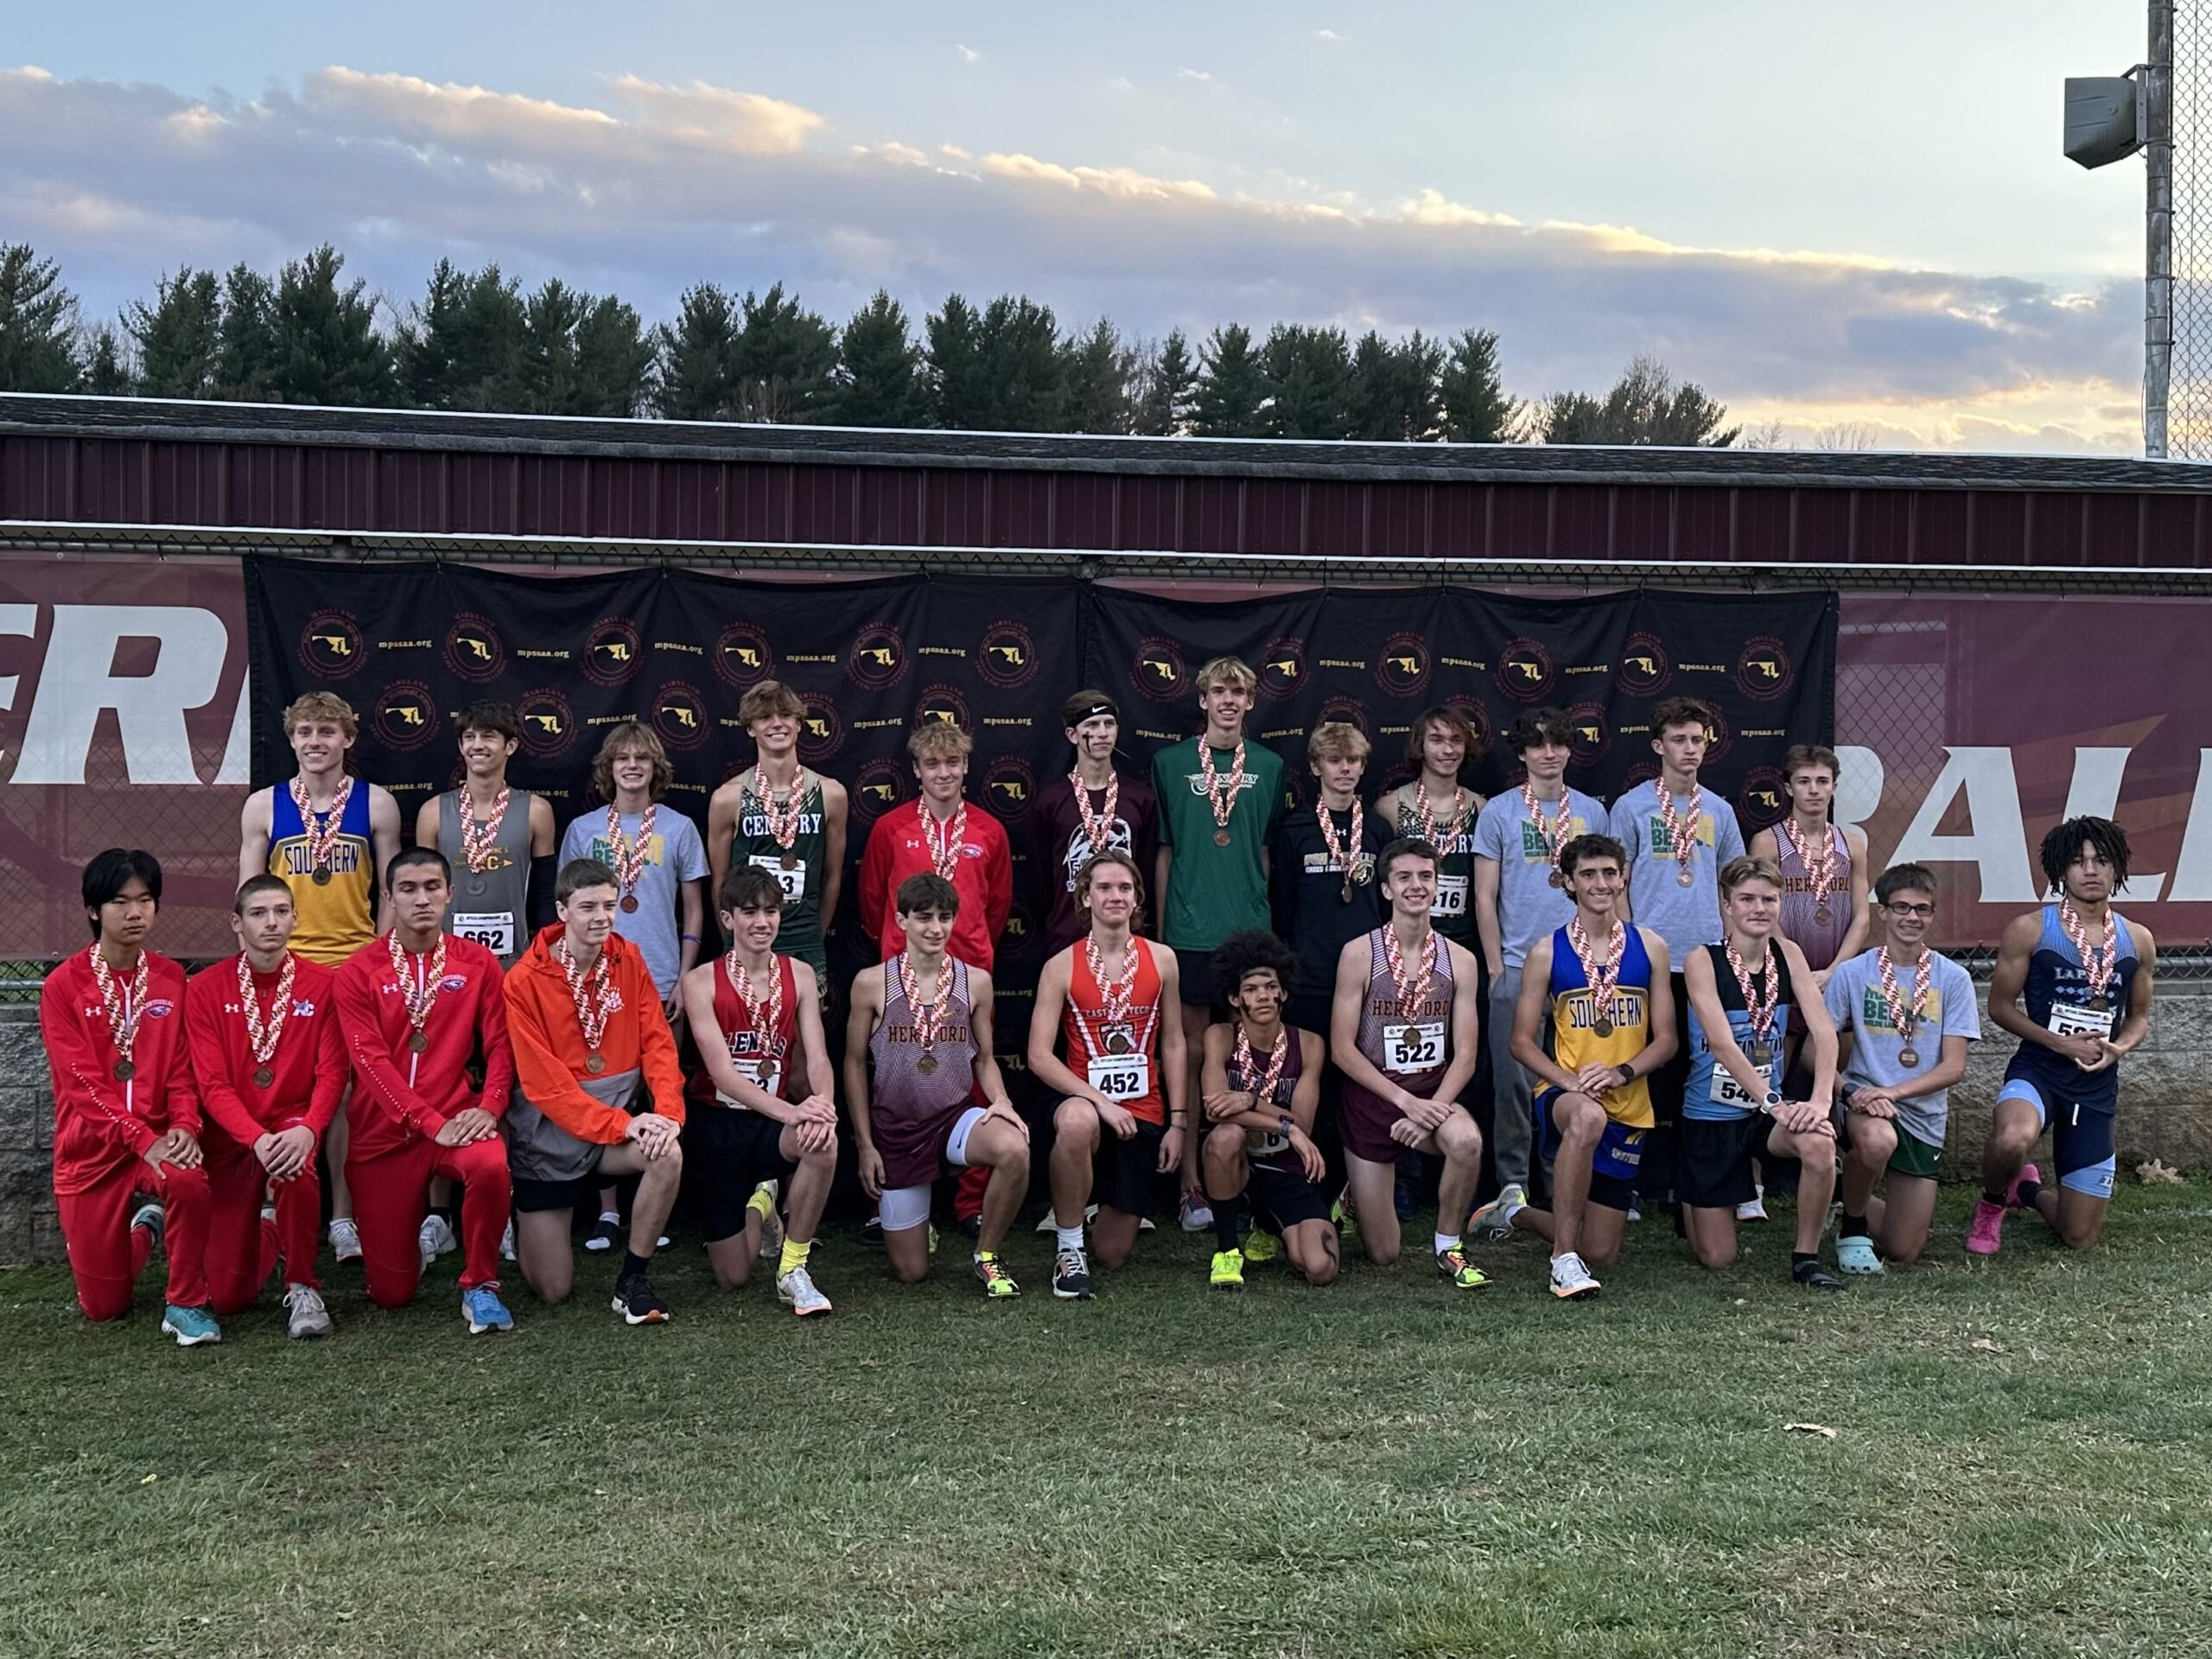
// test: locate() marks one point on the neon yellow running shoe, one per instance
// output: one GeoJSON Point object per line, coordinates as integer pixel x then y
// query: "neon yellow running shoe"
{"type": "Point", "coordinates": [1463, 1274]}
{"type": "Point", "coordinates": [1260, 1246]}
{"type": "Point", "coordinates": [991, 1272]}
{"type": "Point", "coordinates": [1228, 1270]}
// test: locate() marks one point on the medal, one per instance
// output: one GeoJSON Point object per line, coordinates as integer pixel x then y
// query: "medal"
{"type": "Point", "coordinates": [1221, 838]}
{"type": "Point", "coordinates": [1097, 828]}
{"type": "Point", "coordinates": [1905, 1017]}
{"type": "Point", "coordinates": [478, 839]}
{"type": "Point", "coordinates": [2097, 1005]}
{"type": "Point", "coordinates": [627, 856]}
{"type": "Point", "coordinates": [1344, 854]}
{"type": "Point", "coordinates": [261, 1034]}
{"type": "Point", "coordinates": [1909, 1057]}
{"type": "Point", "coordinates": [1603, 976]}
{"type": "Point", "coordinates": [1822, 914]}
{"type": "Point", "coordinates": [2098, 961]}
{"type": "Point", "coordinates": [784, 821]}
{"type": "Point", "coordinates": [124, 1008]}
{"type": "Point", "coordinates": [1686, 879]}
{"type": "Point", "coordinates": [476, 885]}
{"type": "Point", "coordinates": [417, 1041]}
{"type": "Point", "coordinates": [1762, 1055]}
{"type": "Point", "coordinates": [322, 875]}
{"type": "Point", "coordinates": [1820, 872]}
{"type": "Point", "coordinates": [1761, 994]}
{"type": "Point", "coordinates": [321, 830]}
{"type": "Point", "coordinates": [595, 996]}
{"type": "Point", "coordinates": [789, 860]}
{"type": "Point", "coordinates": [264, 1077]}
{"type": "Point", "coordinates": [420, 996]}
{"type": "Point", "coordinates": [1682, 829]}
{"type": "Point", "coordinates": [1221, 794]}
{"type": "Point", "coordinates": [943, 840]}
{"type": "Point", "coordinates": [595, 1062]}
{"type": "Point", "coordinates": [927, 1064]}
{"type": "Point", "coordinates": [629, 904]}
{"type": "Point", "coordinates": [928, 1017]}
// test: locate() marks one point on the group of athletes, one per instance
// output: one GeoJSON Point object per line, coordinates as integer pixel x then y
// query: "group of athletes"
{"type": "Point", "coordinates": [480, 1034]}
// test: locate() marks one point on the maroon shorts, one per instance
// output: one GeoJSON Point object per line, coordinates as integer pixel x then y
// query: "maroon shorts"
{"type": "Point", "coordinates": [1365, 1119]}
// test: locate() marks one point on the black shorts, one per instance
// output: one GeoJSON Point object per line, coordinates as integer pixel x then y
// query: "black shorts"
{"type": "Point", "coordinates": [1286, 1197]}
{"type": "Point", "coordinates": [727, 1153]}
{"type": "Point", "coordinates": [580, 1193]}
{"type": "Point", "coordinates": [1124, 1175]}
{"type": "Point", "coordinates": [1194, 969]}
{"type": "Point", "coordinates": [1716, 1171]}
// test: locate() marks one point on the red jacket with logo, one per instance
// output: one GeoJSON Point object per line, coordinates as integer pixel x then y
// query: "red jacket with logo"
{"type": "Point", "coordinates": [982, 875]}
{"type": "Point", "coordinates": [97, 1122]}
{"type": "Point", "coordinates": [309, 1064]}
{"type": "Point", "coordinates": [400, 1096]}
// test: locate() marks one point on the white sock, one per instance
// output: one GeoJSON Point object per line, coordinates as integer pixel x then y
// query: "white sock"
{"type": "Point", "coordinates": [1447, 1242]}
{"type": "Point", "coordinates": [614, 1215]}
{"type": "Point", "coordinates": [1071, 1237]}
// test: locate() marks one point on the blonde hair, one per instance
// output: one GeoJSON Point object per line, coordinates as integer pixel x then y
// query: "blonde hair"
{"type": "Point", "coordinates": [632, 735]}
{"type": "Point", "coordinates": [1736, 871]}
{"type": "Point", "coordinates": [1338, 739]}
{"type": "Point", "coordinates": [323, 705]}
{"type": "Point", "coordinates": [1226, 670]}
{"type": "Point", "coordinates": [938, 737]}
{"type": "Point", "coordinates": [769, 697]}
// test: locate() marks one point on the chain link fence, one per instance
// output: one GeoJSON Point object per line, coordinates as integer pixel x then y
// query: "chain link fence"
{"type": "Point", "coordinates": [2189, 397]}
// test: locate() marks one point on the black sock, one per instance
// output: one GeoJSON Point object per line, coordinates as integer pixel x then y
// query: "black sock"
{"type": "Point", "coordinates": [1229, 1220]}
{"type": "Point", "coordinates": [2030, 1191]}
{"type": "Point", "coordinates": [1997, 1198]}
{"type": "Point", "coordinates": [1851, 1226]}
{"type": "Point", "coordinates": [634, 1264]}
{"type": "Point", "coordinates": [1799, 1258]}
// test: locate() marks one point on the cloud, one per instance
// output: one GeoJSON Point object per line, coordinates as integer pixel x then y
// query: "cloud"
{"type": "Point", "coordinates": [968, 54]}
{"type": "Point", "coordinates": [1194, 75]}
{"type": "Point", "coordinates": [650, 187]}
{"type": "Point", "coordinates": [1327, 35]}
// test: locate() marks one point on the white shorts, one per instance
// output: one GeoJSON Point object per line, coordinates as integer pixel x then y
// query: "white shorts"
{"type": "Point", "coordinates": [902, 1207]}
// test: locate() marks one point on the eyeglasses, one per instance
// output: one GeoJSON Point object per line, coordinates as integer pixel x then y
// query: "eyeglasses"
{"type": "Point", "coordinates": [1922, 912]}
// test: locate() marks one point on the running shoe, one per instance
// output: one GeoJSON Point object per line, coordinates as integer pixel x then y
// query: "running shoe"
{"type": "Point", "coordinates": [154, 1219]}
{"type": "Point", "coordinates": [1261, 1245]}
{"type": "Point", "coordinates": [1463, 1274]}
{"type": "Point", "coordinates": [1494, 1220]}
{"type": "Point", "coordinates": [1405, 1188]}
{"type": "Point", "coordinates": [1048, 1222]}
{"type": "Point", "coordinates": [2028, 1173]}
{"type": "Point", "coordinates": [507, 1242]}
{"type": "Point", "coordinates": [304, 1314]}
{"type": "Point", "coordinates": [1228, 1270]}
{"type": "Point", "coordinates": [483, 1311]}
{"type": "Point", "coordinates": [606, 1232]}
{"type": "Point", "coordinates": [871, 1231]}
{"type": "Point", "coordinates": [191, 1326]}
{"type": "Point", "coordinates": [1571, 1278]}
{"type": "Point", "coordinates": [1753, 1208]}
{"type": "Point", "coordinates": [990, 1273]}
{"type": "Point", "coordinates": [638, 1302]}
{"type": "Point", "coordinates": [772, 1224]}
{"type": "Point", "coordinates": [434, 1238]}
{"type": "Point", "coordinates": [1814, 1277]}
{"type": "Point", "coordinates": [1071, 1276]}
{"type": "Point", "coordinates": [1342, 1217]}
{"type": "Point", "coordinates": [1986, 1232]}
{"type": "Point", "coordinates": [1856, 1254]}
{"type": "Point", "coordinates": [345, 1239]}
{"type": "Point", "coordinates": [1197, 1214]}
{"type": "Point", "coordinates": [796, 1290]}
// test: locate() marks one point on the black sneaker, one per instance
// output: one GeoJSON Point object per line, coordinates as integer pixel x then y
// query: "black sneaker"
{"type": "Point", "coordinates": [1814, 1277]}
{"type": "Point", "coordinates": [638, 1302]}
{"type": "Point", "coordinates": [605, 1233]}
{"type": "Point", "coordinates": [969, 1227]}
{"type": "Point", "coordinates": [871, 1231]}
{"type": "Point", "coordinates": [1071, 1276]}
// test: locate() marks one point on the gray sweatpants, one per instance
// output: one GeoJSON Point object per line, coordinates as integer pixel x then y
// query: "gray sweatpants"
{"type": "Point", "coordinates": [1513, 1110]}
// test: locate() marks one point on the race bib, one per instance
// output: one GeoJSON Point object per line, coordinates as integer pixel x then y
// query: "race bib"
{"type": "Point", "coordinates": [760, 1073]}
{"type": "Point", "coordinates": [1412, 1047]}
{"type": "Point", "coordinates": [494, 930]}
{"type": "Point", "coordinates": [1451, 896]}
{"type": "Point", "coordinates": [1122, 1077]}
{"type": "Point", "coordinates": [2067, 1019]}
{"type": "Point", "coordinates": [793, 882]}
{"type": "Point", "coordinates": [1727, 1091]}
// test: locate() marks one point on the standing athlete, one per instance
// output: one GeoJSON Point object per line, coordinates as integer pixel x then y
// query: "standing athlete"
{"type": "Point", "coordinates": [597, 1091]}
{"type": "Point", "coordinates": [1741, 991]}
{"type": "Point", "coordinates": [126, 1113]}
{"type": "Point", "coordinates": [329, 837]}
{"type": "Point", "coordinates": [419, 1009]}
{"type": "Point", "coordinates": [500, 840]}
{"type": "Point", "coordinates": [1904, 1015]}
{"type": "Point", "coordinates": [784, 818]}
{"type": "Point", "coordinates": [1403, 1032]}
{"type": "Point", "coordinates": [271, 1064]}
{"type": "Point", "coordinates": [1592, 1023]}
{"type": "Point", "coordinates": [1520, 899]}
{"type": "Point", "coordinates": [1220, 800]}
{"type": "Point", "coordinates": [1263, 1081]}
{"type": "Point", "coordinates": [1122, 1117]}
{"type": "Point", "coordinates": [760, 1112]}
{"type": "Point", "coordinates": [1093, 810]}
{"type": "Point", "coordinates": [918, 1044]}
{"type": "Point", "coordinates": [1437, 808]}
{"type": "Point", "coordinates": [1325, 895]}
{"type": "Point", "coordinates": [2073, 984]}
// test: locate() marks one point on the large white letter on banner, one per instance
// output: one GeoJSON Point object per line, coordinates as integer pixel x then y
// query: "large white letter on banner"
{"type": "Point", "coordinates": [78, 683]}
{"type": "Point", "coordinates": [1997, 843]}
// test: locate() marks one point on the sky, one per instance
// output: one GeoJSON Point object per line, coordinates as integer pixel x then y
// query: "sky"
{"type": "Point", "coordinates": [1853, 221]}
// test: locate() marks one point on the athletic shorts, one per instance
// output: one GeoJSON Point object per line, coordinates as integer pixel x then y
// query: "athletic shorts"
{"type": "Point", "coordinates": [1365, 1121]}
{"type": "Point", "coordinates": [1716, 1160]}
{"type": "Point", "coordinates": [902, 1207]}
{"type": "Point", "coordinates": [1286, 1197]}
{"type": "Point", "coordinates": [1124, 1175]}
{"type": "Point", "coordinates": [1913, 1156]}
{"type": "Point", "coordinates": [581, 1193]}
{"type": "Point", "coordinates": [1194, 969]}
{"type": "Point", "coordinates": [727, 1153]}
{"type": "Point", "coordinates": [1614, 1161]}
{"type": "Point", "coordinates": [2080, 1136]}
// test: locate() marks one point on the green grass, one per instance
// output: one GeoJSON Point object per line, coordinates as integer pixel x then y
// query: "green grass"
{"type": "Point", "coordinates": [2021, 1467]}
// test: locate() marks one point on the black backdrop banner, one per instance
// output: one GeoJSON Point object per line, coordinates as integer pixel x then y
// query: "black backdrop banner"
{"type": "Point", "coordinates": [408, 645]}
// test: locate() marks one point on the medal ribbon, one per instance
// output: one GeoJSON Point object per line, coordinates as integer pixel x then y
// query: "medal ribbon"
{"type": "Point", "coordinates": [1906, 1019]}
{"type": "Point", "coordinates": [321, 831]}
{"type": "Point", "coordinates": [1425, 813]}
{"type": "Point", "coordinates": [1220, 795]}
{"type": "Point", "coordinates": [1821, 870]}
{"type": "Point", "coordinates": [419, 996]}
{"type": "Point", "coordinates": [479, 836]}
{"type": "Point", "coordinates": [1263, 1085]}
{"type": "Point", "coordinates": [629, 857]}
{"type": "Point", "coordinates": [762, 1014]}
{"type": "Point", "coordinates": [929, 1018]}
{"type": "Point", "coordinates": [1682, 829]}
{"type": "Point", "coordinates": [1410, 987]}
{"type": "Point", "coordinates": [1554, 834]}
{"type": "Point", "coordinates": [1114, 999]}
{"type": "Point", "coordinates": [1766, 983]}
{"type": "Point", "coordinates": [261, 1034]}
{"type": "Point", "coordinates": [1603, 976]}
{"type": "Point", "coordinates": [2097, 964]}
{"type": "Point", "coordinates": [1098, 830]}
{"type": "Point", "coordinates": [946, 840]}
{"type": "Point", "coordinates": [1344, 854]}
{"type": "Point", "coordinates": [783, 824]}
{"type": "Point", "coordinates": [125, 1008]}
{"type": "Point", "coordinates": [594, 993]}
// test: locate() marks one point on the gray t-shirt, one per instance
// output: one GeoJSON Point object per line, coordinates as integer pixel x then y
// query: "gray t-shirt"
{"type": "Point", "coordinates": [673, 856]}
{"type": "Point", "coordinates": [1685, 917]}
{"type": "Point", "coordinates": [1528, 905]}
{"type": "Point", "coordinates": [1857, 1005]}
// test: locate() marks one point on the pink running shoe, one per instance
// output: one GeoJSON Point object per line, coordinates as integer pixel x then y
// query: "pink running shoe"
{"type": "Point", "coordinates": [1985, 1233]}
{"type": "Point", "coordinates": [2028, 1173]}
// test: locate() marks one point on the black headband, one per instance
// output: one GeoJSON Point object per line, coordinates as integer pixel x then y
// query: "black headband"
{"type": "Point", "coordinates": [1095, 708]}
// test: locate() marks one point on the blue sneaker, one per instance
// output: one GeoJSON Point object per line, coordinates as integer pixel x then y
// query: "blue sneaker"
{"type": "Point", "coordinates": [191, 1326]}
{"type": "Point", "coordinates": [483, 1311]}
{"type": "Point", "coordinates": [153, 1219]}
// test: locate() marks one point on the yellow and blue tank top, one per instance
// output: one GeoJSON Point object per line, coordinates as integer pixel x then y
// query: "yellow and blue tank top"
{"type": "Point", "coordinates": [335, 918]}
{"type": "Point", "coordinates": [1573, 1040]}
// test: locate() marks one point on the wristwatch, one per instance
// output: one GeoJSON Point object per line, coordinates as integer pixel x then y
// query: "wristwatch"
{"type": "Point", "coordinates": [1628, 1073]}
{"type": "Point", "coordinates": [1773, 1099]}
{"type": "Point", "coordinates": [1285, 1124]}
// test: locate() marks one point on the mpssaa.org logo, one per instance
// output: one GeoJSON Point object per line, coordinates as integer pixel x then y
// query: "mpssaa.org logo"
{"type": "Point", "coordinates": [613, 652]}
{"type": "Point", "coordinates": [548, 725]}
{"type": "Point", "coordinates": [876, 789]}
{"type": "Point", "coordinates": [742, 655]}
{"type": "Point", "coordinates": [1646, 668]}
{"type": "Point", "coordinates": [1525, 672]}
{"type": "Point", "coordinates": [878, 659]}
{"type": "Point", "coordinates": [1764, 670]}
{"type": "Point", "coordinates": [1005, 656]}
{"type": "Point", "coordinates": [1402, 667]}
{"type": "Point", "coordinates": [1159, 672]}
{"type": "Point", "coordinates": [473, 650]}
{"type": "Point", "coordinates": [680, 714]}
{"type": "Point", "coordinates": [1283, 669]}
{"type": "Point", "coordinates": [821, 732]}
{"type": "Point", "coordinates": [1589, 734]}
{"type": "Point", "coordinates": [406, 715]}
{"type": "Point", "coordinates": [331, 647]}
{"type": "Point", "coordinates": [1009, 783]}
{"type": "Point", "coordinates": [943, 705]}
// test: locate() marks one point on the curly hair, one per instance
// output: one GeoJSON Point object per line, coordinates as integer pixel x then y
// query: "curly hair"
{"type": "Point", "coordinates": [2064, 844]}
{"type": "Point", "coordinates": [1250, 952]}
{"type": "Point", "coordinates": [632, 735]}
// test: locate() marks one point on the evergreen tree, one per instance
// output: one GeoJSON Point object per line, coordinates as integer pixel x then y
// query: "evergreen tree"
{"type": "Point", "coordinates": [1095, 370]}
{"type": "Point", "coordinates": [38, 324]}
{"type": "Point", "coordinates": [959, 392]}
{"type": "Point", "coordinates": [1394, 396]}
{"type": "Point", "coordinates": [1309, 382]}
{"type": "Point", "coordinates": [1166, 381]}
{"type": "Point", "coordinates": [463, 343]}
{"type": "Point", "coordinates": [785, 357]}
{"type": "Point", "coordinates": [328, 348]}
{"type": "Point", "coordinates": [880, 373]}
{"type": "Point", "coordinates": [1022, 371]}
{"type": "Point", "coordinates": [1476, 408]}
{"type": "Point", "coordinates": [613, 360]}
{"type": "Point", "coordinates": [698, 376]}
{"type": "Point", "coordinates": [107, 366]}
{"type": "Point", "coordinates": [1645, 406]}
{"type": "Point", "coordinates": [248, 359]}
{"type": "Point", "coordinates": [179, 338]}
{"type": "Point", "coordinates": [1232, 386]}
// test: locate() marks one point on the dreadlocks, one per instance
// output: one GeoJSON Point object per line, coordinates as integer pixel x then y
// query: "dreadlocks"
{"type": "Point", "coordinates": [2063, 845]}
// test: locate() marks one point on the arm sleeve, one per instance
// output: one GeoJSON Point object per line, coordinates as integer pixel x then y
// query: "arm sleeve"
{"type": "Point", "coordinates": [498, 1048]}
{"type": "Point", "coordinates": [690, 858]}
{"type": "Point", "coordinates": [1622, 822]}
{"type": "Point", "coordinates": [370, 1058]}
{"type": "Point", "coordinates": [203, 1030]}
{"type": "Point", "coordinates": [544, 873]}
{"type": "Point", "coordinates": [546, 1081]}
{"type": "Point", "coordinates": [329, 1074]}
{"type": "Point", "coordinates": [1490, 834]}
{"type": "Point", "coordinates": [81, 1088]}
{"type": "Point", "coordinates": [1961, 1018]}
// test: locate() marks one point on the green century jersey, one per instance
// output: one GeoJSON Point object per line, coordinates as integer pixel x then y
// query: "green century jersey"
{"type": "Point", "coordinates": [1213, 890]}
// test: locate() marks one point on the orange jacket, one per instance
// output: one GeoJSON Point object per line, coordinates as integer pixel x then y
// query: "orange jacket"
{"type": "Point", "coordinates": [548, 1039]}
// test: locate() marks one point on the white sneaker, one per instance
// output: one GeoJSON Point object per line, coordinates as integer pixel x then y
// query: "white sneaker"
{"type": "Point", "coordinates": [1753, 1208]}
{"type": "Point", "coordinates": [1048, 1222]}
{"type": "Point", "coordinates": [507, 1242]}
{"type": "Point", "coordinates": [344, 1238]}
{"type": "Point", "coordinates": [796, 1291]}
{"type": "Point", "coordinates": [1494, 1220]}
{"type": "Point", "coordinates": [772, 1224]}
{"type": "Point", "coordinates": [304, 1314]}
{"type": "Point", "coordinates": [436, 1239]}
{"type": "Point", "coordinates": [1571, 1280]}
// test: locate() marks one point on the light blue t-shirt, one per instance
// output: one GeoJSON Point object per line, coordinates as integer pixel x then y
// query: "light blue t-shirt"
{"type": "Point", "coordinates": [1857, 1005]}
{"type": "Point", "coordinates": [673, 856]}
{"type": "Point", "coordinates": [1529, 907]}
{"type": "Point", "coordinates": [1685, 917]}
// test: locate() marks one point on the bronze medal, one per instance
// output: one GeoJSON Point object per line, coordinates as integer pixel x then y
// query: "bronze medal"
{"type": "Point", "coordinates": [1686, 878]}
{"type": "Point", "coordinates": [322, 875]}
{"type": "Point", "coordinates": [1822, 914]}
{"type": "Point", "coordinates": [124, 1071]}
{"type": "Point", "coordinates": [1558, 879]}
{"type": "Point", "coordinates": [1762, 1055]}
{"type": "Point", "coordinates": [791, 861]}
{"type": "Point", "coordinates": [927, 1064]}
{"type": "Point", "coordinates": [629, 904]}
{"type": "Point", "coordinates": [1221, 838]}
{"type": "Point", "coordinates": [264, 1077]}
{"type": "Point", "coordinates": [1602, 1026]}
{"type": "Point", "coordinates": [595, 1062]}
{"type": "Point", "coordinates": [2097, 1005]}
{"type": "Point", "coordinates": [1909, 1057]}
{"type": "Point", "coordinates": [476, 886]}
{"type": "Point", "coordinates": [417, 1041]}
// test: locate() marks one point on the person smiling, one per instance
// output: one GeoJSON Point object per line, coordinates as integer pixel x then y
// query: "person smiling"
{"type": "Point", "coordinates": [784, 817]}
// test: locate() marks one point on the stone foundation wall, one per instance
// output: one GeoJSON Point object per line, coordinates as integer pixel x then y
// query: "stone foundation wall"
{"type": "Point", "coordinates": [2165, 1110]}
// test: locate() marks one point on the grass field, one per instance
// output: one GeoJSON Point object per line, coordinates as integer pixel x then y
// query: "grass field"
{"type": "Point", "coordinates": [2022, 1465]}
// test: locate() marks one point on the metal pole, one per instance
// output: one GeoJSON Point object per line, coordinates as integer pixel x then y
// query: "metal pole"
{"type": "Point", "coordinates": [2159, 229]}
